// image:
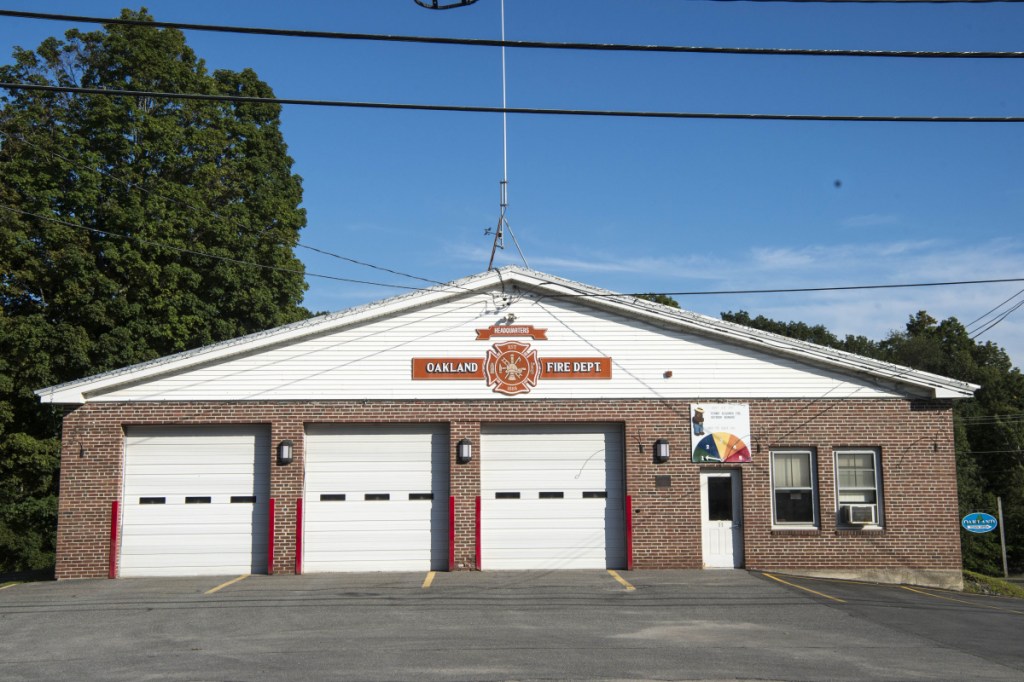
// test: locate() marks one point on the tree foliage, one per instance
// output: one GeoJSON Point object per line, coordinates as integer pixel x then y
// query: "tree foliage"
{"type": "Point", "coordinates": [989, 428]}
{"type": "Point", "coordinates": [110, 208]}
{"type": "Point", "coordinates": [663, 299]}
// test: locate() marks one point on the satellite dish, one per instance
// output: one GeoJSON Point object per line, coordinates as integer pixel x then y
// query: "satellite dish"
{"type": "Point", "coordinates": [434, 4]}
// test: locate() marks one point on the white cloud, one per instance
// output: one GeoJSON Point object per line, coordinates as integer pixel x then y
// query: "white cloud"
{"type": "Point", "coordinates": [872, 312]}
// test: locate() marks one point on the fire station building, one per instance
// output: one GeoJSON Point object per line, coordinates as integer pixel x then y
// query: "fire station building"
{"type": "Point", "coordinates": [510, 420]}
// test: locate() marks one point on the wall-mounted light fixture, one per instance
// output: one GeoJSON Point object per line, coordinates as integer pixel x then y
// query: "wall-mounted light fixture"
{"type": "Point", "coordinates": [661, 451]}
{"type": "Point", "coordinates": [284, 452]}
{"type": "Point", "coordinates": [464, 451]}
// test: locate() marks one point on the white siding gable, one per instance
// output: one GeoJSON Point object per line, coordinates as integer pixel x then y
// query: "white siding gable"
{"type": "Point", "coordinates": [372, 360]}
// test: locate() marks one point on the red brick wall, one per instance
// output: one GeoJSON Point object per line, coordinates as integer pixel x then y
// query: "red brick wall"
{"type": "Point", "coordinates": [916, 441]}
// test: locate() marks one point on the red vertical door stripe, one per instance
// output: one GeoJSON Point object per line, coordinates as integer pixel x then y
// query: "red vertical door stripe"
{"type": "Point", "coordinates": [298, 536]}
{"type": "Point", "coordinates": [113, 538]}
{"type": "Point", "coordinates": [629, 532]}
{"type": "Point", "coordinates": [270, 538]}
{"type": "Point", "coordinates": [478, 533]}
{"type": "Point", "coordinates": [451, 533]}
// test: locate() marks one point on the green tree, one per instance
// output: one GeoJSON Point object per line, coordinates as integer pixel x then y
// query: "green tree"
{"type": "Point", "coordinates": [988, 429]}
{"type": "Point", "coordinates": [663, 299]}
{"type": "Point", "coordinates": [110, 208]}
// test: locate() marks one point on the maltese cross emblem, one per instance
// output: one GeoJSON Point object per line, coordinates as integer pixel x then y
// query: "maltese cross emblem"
{"type": "Point", "coordinates": [511, 367]}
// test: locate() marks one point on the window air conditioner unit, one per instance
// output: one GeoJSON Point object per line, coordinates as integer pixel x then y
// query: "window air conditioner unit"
{"type": "Point", "coordinates": [861, 514]}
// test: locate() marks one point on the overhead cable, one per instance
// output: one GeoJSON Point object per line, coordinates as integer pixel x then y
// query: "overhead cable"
{"type": "Point", "coordinates": [991, 419]}
{"type": "Point", "coordinates": [982, 317]}
{"type": "Point", "coordinates": [211, 212]}
{"type": "Point", "coordinates": [530, 44]}
{"type": "Point", "coordinates": [793, 290]}
{"type": "Point", "coordinates": [988, 327]}
{"type": "Point", "coordinates": [192, 252]}
{"type": "Point", "coordinates": [238, 99]}
{"type": "Point", "coordinates": [580, 294]}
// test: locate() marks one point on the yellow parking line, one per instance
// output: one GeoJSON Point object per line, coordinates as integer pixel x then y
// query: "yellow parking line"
{"type": "Point", "coordinates": [4, 587]}
{"type": "Point", "coordinates": [622, 581]}
{"type": "Point", "coordinates": [230, 582]}
{"type": "Point", "coordinates": [805, 589]}
{"type": "Point", "coordinates": [428, 580]}
{"type": "Point", "coordinates": [959, 601]}
{"type": "Point", "coordinates": [842, 581]}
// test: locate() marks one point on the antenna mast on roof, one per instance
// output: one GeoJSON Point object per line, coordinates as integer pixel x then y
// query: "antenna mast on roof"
{"type": "Point", "coordinates": [499, 232]}
{"type": "Point", "coordinates": [503, 224]}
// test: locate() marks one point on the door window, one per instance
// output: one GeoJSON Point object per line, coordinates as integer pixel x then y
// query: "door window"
{"type": "Point", "coordinates": [719, 498]}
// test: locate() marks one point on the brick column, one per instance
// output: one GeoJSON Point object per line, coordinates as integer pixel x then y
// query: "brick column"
{"type": "Point", "coordinates": [465, 487]}
{"type": "Point", "coordinates": [286, 486]}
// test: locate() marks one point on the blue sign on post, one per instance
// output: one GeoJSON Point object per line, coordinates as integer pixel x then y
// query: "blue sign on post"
{"type": "Point", "coordinates": [979, 522]}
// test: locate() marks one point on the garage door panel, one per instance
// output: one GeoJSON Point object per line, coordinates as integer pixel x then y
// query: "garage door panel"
{"type": "Point", "coordinates": [328, 520]}
{"type": "Point", "coordinates": [158, 531]}
{"type": "Point", "coordinates": [407, 461]}
{"type": "Point", "coordinates": [228, 539]}
{"type": "Point", "coordinates": [551, 538]}
{"type": "Point", "coordinates": [370, 542]}
{"type": "Point", "coordinates": [356, 534]}
{"type": "Point", "coordinates": [345, 563]}
{"type": "Point", "coordinates": [563, 529]}
{"type": "Point", "coordinates": [196, 471]}
{"type": "Point", "coordinates": [554, 563]}
{"type": "Point", "coordinates": [205, 538]}
{"type": "Point", "coordinates": [555, 475]}
{"type": "Point", "coordinates": [177, 490]}
{"type": "Point", "coordinates": [362, 482]}
{"type": "Point", "coordinates": [545, 525]}
{"type": "Point", "coordinates": [194, 514]}
{"type": "Point", "coordinates": [186, 564]}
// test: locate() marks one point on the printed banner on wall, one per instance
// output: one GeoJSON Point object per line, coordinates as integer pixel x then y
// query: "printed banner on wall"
{"type": "Point", "coordinates": [721, 432]}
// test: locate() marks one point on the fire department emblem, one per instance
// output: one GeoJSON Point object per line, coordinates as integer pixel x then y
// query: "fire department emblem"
{"type": "Point", "coordinates": [512, 367]}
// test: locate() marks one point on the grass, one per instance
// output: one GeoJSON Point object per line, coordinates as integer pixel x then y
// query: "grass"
{"type": "Point", "coordinates": [983, 584]}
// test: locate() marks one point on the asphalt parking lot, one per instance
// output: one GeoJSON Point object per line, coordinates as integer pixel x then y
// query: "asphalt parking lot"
{"type": "Point", "coordinates": [593, 625]}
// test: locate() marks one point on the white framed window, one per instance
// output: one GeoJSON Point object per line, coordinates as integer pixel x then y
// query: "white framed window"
{"type": "Point", "coordinates": [794, 489]}
{"type": "Point", "coordinates": [859, 487]}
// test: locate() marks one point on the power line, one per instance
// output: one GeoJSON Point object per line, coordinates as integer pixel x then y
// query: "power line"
{"type": "Point", "coordinates": [982, 317]}
{"type": "Point", "coordinates": [238, 99]}
{"type": "Point", "coordinates": [527, 44]}
{"type": "Point", "coordinates": [192, 252]}
{"type": "Point", "coordinates": [213, 213]}
{"type": "Point", "coordinates": [987, 420]}
{"type": "Point", "coordinates": [996, 321]}
{"type": "Point", "coordinates": [793, 290]}
{"type": "Point", "coordinates": [575, 295]}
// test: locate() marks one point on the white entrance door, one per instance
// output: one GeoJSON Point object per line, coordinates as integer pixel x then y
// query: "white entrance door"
{"type": "Point", "coordinates": [551, 496]}
{"type": "Point", "coordinates": [721, 513]}
{"type": "Point", "coordinates": [376, 498]}
{"type": "Point", "coordinates": [195, 500]}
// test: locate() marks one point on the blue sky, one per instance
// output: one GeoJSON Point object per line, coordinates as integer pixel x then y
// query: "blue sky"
{"type": "Point", "coordinates": [643, 204]}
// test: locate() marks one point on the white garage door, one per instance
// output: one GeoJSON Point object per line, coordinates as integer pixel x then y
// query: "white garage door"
{"type": "Point", "coordinates": [551, 496]}
{"type": "Point", "coordinates": [195, 500]}
{"type": "Point", "coordinates": [376, 498]}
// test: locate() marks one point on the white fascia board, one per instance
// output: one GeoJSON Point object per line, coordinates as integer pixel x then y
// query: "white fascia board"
{"type": "Point", "coordinates": [889, 374]}
{"type": "Point", "coordinates": [78, 392]}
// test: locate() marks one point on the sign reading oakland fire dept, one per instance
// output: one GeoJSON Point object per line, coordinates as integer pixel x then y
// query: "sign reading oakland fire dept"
{"type": "Point", "coordinates": [511, 367]}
